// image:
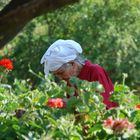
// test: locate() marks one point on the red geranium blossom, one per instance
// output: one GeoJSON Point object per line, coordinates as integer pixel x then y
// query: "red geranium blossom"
{"type": "Point", "coordinates": [109, 122]}
{"type": "Point", "coordinates": [57, 103]}
{"type": "Point", "coordinates": [7, 63]}
{"type": "Point", "coordinates": [138, 106]}
{"type": "Point", "coordinates": [118, 125]}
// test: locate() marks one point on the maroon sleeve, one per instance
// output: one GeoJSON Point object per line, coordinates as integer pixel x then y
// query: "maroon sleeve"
{"type": "Point", "coordinates": [99, 74]}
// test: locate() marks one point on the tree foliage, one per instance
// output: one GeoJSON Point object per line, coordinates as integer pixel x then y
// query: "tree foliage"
{"type": "Point", "coordinates": [107, 30]}
{"type": "Point", "coordinates": [17, 13]}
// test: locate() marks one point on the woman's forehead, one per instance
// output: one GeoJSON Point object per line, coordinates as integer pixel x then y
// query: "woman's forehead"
{"type": "Point", "coordinates": [62, 68]}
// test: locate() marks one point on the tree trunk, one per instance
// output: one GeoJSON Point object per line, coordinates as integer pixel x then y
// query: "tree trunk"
{"type": "Point", "coordinates": [19, 12]}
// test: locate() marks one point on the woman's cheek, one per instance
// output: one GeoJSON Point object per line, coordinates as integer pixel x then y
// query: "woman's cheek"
{"type": "Point", "coordinates": [72, 73]}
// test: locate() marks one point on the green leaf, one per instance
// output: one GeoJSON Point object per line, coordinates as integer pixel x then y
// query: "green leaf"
{"type": "Point", "coordinates": [33, 124]}
{"type": "Point", "coordinates": [42, 99]}
{"type": "Point", "coordinates": [16, 127]}
{"type": "Point", "coordinates": [53, 121]}
{"type": "Point", "coordinates": [71, 103]}
{"type": "Point", "coordinates": [95, 128]}
{"type": "Point", "coordinates": [2, 97]}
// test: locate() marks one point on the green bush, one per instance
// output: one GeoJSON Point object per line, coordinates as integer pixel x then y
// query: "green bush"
{"type": "Point", "coordinates": [24, 113]}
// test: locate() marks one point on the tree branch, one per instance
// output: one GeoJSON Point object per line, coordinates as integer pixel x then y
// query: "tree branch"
{"type": "Point", "coordinates": [13, 19]}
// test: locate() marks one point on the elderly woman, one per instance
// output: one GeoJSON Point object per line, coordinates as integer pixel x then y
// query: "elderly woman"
{"type": "Point", "coordinates": [62, 59]}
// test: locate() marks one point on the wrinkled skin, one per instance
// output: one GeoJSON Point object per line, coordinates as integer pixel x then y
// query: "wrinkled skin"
{"type": "Point", "coordinates": [68, 70]}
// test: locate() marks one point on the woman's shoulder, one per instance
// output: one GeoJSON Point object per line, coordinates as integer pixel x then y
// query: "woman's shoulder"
{"type": "Point", "coordinates": [92, 65]}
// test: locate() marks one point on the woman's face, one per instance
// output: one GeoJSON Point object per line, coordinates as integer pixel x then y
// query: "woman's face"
{"type": "Point", "coordinates": [66, 71]}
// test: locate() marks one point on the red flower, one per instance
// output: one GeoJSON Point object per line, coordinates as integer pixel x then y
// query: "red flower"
{"type": "Point", "coordinates": [57, 103]}
{"type": "Point", "coordinates": [7, 63]}
{"type": "Point", "coordinates": [118, 125]}
{"type": "Point", "coordinates": [108, 123]}
{"type": "Point", "coordinates": [137, 106]}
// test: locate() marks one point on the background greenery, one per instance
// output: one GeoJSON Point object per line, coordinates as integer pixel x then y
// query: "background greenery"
{"type": "Point", "coordinates": [108, 31]}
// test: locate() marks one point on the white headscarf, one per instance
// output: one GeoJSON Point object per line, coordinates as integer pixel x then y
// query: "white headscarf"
{"type": "Point", "coordinates": [59, 53]}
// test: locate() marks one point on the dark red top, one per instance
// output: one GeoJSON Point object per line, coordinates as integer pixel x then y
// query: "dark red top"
{"type": "Point", "coordinates": [93, 72]}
